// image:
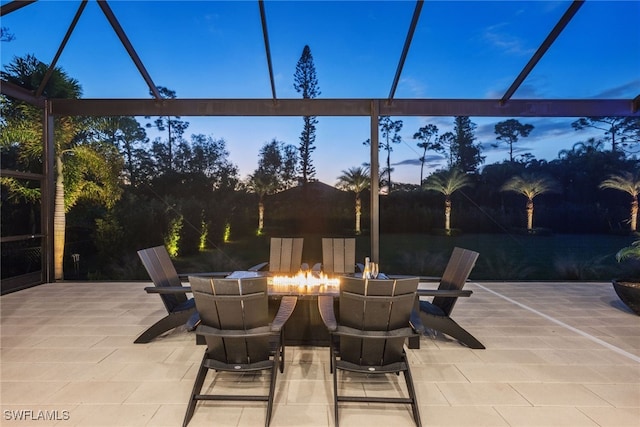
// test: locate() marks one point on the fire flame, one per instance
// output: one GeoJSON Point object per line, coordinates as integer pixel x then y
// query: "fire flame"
{"type": "Point", "coordinates": [304, 281]}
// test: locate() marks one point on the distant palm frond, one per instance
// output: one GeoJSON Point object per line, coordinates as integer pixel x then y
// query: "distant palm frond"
{"type": "Point", "coordinates": [530, 186]}
{"type": "Point", "coordinates": [447, 182]}
{"type": "Point", "coordinates": [625, 181]}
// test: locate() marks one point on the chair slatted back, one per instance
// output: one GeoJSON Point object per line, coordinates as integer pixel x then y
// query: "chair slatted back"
{"type": "Point", "coordinates": [375, 305]}
{"type": "Point", "coordinates": [285, 254]}
{"type": "Point", "coordinates": [338, 255]}
{"type": "Point", "coordinates": [455, 276]}
{"type": "Point", "coordinates": [233, 305]}
{"type": "Point", "coordinates": [158, 264]}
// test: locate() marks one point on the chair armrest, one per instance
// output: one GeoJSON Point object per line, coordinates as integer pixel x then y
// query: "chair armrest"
{"type": "Point", "coordinates": [262, 331]}
{"type": "Point", "coordinates": [429, 279]}
{"type": "Point", "coordinates": [185, 276]}
{"type": "Point", "coordinates": [357, 333]}
{"type": "Point", "coordinates": [169, 290]}
{"type": "Point", "coordinates": [258, 267]}
{"type": "Point", "coordinates": [443, 293]}
{"type": "Point", "coordinates": [325, 306]}
{"type": "Point", "coordinates": [287, 305]}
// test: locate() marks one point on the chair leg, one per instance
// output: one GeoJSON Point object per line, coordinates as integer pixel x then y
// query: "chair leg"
{"type": "Point", "coordinates": [448, 326]}
{"type": "Point", "coordinates": [200, 340]}
{"type": "Point", "coordinates": [197, 386]}
{"type": "Point", "coordinates": [412, 393]}
{"type": "Point", "coordinates": [331, 354]}
{"type": "Point", "coordinates": [170, 321]}
{"type": "Point", "coordinates": [272, 390]}
{"type": "Point", "coordinates": [335, 389]}
{"type": "Point", "coordinates": [280, 352]}
{"type": "Point", "coordinates": [413, 343]}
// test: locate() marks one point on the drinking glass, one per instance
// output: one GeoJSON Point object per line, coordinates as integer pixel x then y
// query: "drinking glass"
{"type": "Point", "coordinates": [375, 269]}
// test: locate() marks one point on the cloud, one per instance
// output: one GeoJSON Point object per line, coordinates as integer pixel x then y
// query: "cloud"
{"type": "Point", "coordinates": [410, 162]}
{"type": "Point", "coordinates": [534, 87]}
{"type": "Point", "coordinates": [497, 37]}
{"type": "Point", "coordinates": [549, 136]}
{"type": "Point", "coordinates": [430, 161]}
{"type": "Point", "coordinates": [627, 90]}
{"type": "Point", "coordinates": [414, 87]}
{"type": "Point", "coordinates": [486, 131]}
{"type": "Point", "coordinates": [489, 147]}
{"type": "Point", "coordinates": [557, 129]}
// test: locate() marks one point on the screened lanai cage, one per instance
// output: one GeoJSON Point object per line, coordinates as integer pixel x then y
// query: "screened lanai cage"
{"type": "Point", "coordinates": [230, 65]}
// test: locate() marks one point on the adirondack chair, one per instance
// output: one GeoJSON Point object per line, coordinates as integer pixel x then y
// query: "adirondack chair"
{"type": "Point", "coordinates": [436, 314]}
{"type": "Point", "coordinates": [181, 310]}
{"type": "Point", "coordinates": [239, 336]}
{"type": "Point", "coordinates": [370, 335]}
{"type": "Point", "coordinates": [168, 286]}
{"type": "Point", "coordinates": [338, 255]}
{"type": "Point", "coordinates": [285, 255]}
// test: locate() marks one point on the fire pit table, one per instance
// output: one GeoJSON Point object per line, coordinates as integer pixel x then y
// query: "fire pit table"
{"type": "Point", "coordinates": [305, 326]}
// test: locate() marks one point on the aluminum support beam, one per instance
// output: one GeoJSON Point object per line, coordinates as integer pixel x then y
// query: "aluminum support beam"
{"type": "Point", "coordinates": [405, 49]}
{"type": "Point", "coordinates": [14, 5]}
{"type": "Point", "coordinates": [52, 66]}
{"type": "Point", "coordinates": [21, 238]}
{"type": "Point", "coordinates": [106, 9]}
{"type": "Point", "coordinates": [553, 35]}
{"type": "Point", "coordinates": [375, 184]}
{"type": "Point", "coordinates": [48, 196]}
{"type": "Point", "coordinates": [343, 107]}
{"type": "Point", "coordinates": [267, 48]}
{"type": "Point", "coordinates": [21, 94]}
{"type": "Point", "coordinates": [514, 108]}
{"type": "Point", "coordinates": [21, 175]}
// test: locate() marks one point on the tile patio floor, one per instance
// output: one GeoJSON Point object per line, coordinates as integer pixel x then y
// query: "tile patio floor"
{"type": "Point", "coordinates": [558, 354]}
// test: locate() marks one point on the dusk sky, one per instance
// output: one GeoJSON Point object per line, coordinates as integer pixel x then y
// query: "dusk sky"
{"type": "Point", "coordinates": [461, 49]}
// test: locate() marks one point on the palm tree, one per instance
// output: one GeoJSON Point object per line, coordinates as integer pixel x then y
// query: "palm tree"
{"type": "Point", "coordinates": [84, 169]}
{"type": "Point", "coordinates": [447, 183]}
{"type": "Point", "coordinates": [530, 186]}
{"type": "Point", "coordinates": [261, 184]}
{"type": "Point", "coordinates": [355, 179]}
{"type": "Point", "coordinates": [425, 134]}
{"type": "Point", "coordinates": [629, 183]}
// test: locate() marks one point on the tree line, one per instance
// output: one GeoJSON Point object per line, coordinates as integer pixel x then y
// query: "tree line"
{"type": "Point", "coordinates": [118, 191]}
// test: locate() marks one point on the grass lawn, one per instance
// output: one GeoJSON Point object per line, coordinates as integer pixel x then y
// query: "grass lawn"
{"type": "Point", "coordinates": [502, 256]}
{"type": "Point", "coordinates": [510, 257]}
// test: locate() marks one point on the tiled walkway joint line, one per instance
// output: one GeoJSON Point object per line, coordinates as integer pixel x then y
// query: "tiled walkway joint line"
{"type": "Point", "coordinates": [564, 325]}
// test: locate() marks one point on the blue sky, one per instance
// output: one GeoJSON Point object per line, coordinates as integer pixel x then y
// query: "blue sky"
{"type": "Point", "coordinates": [461, 49]}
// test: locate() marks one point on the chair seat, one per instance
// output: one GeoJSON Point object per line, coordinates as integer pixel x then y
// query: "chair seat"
{"type": "Point", "coordinates": [429, 308]}
{"type": "Point", "coordinates": [187, 305]}
{"type": "Point", "coordinates": [369, 370]}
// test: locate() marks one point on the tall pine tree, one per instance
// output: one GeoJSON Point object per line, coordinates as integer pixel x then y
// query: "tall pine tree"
{"type": "Point", "coordinates": [390, 135]}
{"type": "Point", "coordinates": [467, 156]}
{"type": "Point", "coordinates": [175, 129]}
{"type": "Point", "coordinates": [305, 82]}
